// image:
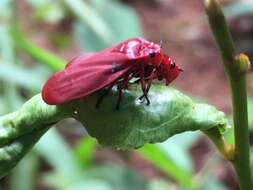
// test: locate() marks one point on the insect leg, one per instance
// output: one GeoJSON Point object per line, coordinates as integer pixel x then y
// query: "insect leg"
{"type": "Point", "coordinates": [122, 86]}
{"type": "Point", "coordinates": [143, 85]}
{"type": "Point", "coordinates": [150, 82]}
{"type": "Point", "coordinates": [119, 98]}
{"type": "Point", "coordinates": [105, 93]}
{"type": "Point", "coordinates": [145, 94]}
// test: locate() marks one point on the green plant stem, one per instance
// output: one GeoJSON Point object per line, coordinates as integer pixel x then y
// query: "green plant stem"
{"type": "Point", "coordinates": [240, 117]}
{"type": "Point", "coordinates": [47, 58]}
{"type": "Point", "coordinates": [218, 139]}
{"type": "Point", "coordinates": [236, 67]}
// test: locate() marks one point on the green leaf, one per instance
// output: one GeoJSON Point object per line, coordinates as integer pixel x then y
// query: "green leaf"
{"type": "Point", "coordinates": [35, 114]}
{"type": "Point", "coordinates": [136, 124]}
{"type": "Point", "coordinates": [20, 130]}
{"type": "Point", "coordinates": [13, 152]}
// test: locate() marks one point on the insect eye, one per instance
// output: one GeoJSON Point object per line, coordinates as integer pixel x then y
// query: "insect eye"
{"type": "Point", "coordinates": [152, 55]}
{"type": "Point", "coordinates": [173, 65]}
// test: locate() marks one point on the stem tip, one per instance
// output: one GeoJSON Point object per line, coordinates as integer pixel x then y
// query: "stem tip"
{"type": "Point", "coordinates": [213, 7]}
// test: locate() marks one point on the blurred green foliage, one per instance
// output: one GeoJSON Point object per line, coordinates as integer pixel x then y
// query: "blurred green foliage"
{"type": "Point", "coordinates": [239, 8]}
{"type": "Point", "coordinates": [122, 21]}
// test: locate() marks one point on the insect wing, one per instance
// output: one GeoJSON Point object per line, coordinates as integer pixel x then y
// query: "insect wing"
{"type": "Point", "coordinates": [85, 75]}
{"type": "Point", "coordinates": [79, 59]}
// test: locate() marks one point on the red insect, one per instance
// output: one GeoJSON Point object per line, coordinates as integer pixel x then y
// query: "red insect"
{"type": "Point", "coordinates": [133, 58]}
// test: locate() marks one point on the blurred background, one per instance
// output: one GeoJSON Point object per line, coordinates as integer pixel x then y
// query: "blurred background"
{"type": "Point", "coordinates": [37, 37]}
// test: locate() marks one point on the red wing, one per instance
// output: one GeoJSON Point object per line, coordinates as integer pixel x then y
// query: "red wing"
{"type": "Point", "coordinates": [82, 58]}
{"type": "Point", "coordinates": [85, 75]}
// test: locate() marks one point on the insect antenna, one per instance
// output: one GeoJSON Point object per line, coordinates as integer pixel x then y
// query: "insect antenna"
{"type": "Point", "coordinates": [161, 43]}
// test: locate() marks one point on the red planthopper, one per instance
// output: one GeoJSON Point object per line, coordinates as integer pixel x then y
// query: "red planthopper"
{"type": "Point", "coordinates": [133, 58]}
